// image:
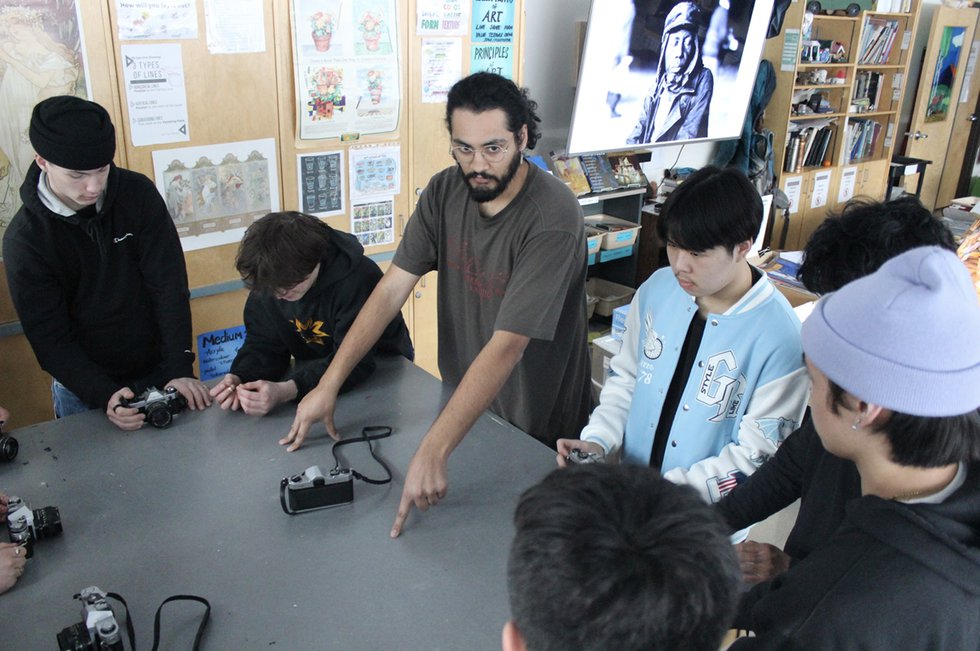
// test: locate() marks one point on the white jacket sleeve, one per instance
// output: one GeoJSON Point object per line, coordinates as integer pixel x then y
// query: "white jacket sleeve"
{"type": "Point", "coordinates": [607, 425]}
{"type": "Point", "coordinates": [774, 411]}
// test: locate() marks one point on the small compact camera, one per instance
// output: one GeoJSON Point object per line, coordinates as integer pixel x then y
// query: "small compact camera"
{"type": "Point", "coordinates": [315, 490]}
{"type": "Point", "coordinates": [581, 456]}
{"type": "Point", "coordinates": [160, 407]}
{"type": "Point", "coordinates": [26, 526]}
{"type": "Point", "coordinates": [8, 447]}
{"type": "Point", "coordinates": [98, 629]}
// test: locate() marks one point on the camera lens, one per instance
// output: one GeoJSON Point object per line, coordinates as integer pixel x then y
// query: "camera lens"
{"type": "Point", "coordinates": [158, 415]}
{"type": "Point", "coordinates": [47, 521]}
{"type": "Point", "coordinates": [8, 448]}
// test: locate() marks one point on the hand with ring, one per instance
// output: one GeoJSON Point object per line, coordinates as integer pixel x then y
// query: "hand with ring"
{"type": "Point", "coordinates": [12, 563]}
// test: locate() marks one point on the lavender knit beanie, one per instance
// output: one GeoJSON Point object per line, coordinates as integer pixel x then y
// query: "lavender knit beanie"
{"type": "Point", "coordinates": [906, 337]}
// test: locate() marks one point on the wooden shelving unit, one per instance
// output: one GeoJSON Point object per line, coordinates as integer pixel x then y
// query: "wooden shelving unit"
{"type": "Point", "coordinates": [845, 117]}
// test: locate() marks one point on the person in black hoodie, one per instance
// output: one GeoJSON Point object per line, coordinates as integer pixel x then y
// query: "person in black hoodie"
{"type": "Point", "coordinates": [96, 271]}
{"type": "Point", "coordinates": [308, 282]}
{"type": "Point", "coordinates": [895, 362]}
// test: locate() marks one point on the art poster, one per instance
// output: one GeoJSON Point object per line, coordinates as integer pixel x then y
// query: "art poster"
{"type": "Point", "coordinates": [442, 67]}
{"type": "Point", "coordinates": [215, 192]}
{"type": "Point", "coordinates": [321, 183]}
{"type": "Point", "coordinates": [374, 170]}
{"type": "Point", "coordinates": [498, 59]}
{"type": "Point", "coordinates": [493, 21]}
{"type": "Point", "coordinates": [155, 93]}
{"type": "Point", "coordinates": [156, 19]}
{"type": "Point", "coordinates": [347, 77]}
{"type": "Point", "coordinates": [216, 350]}
{"type": "Point", "coordinates": [372, 222]}
{"type": "Point", "coordinates": [441, 17]}
{"type": "Point", "coordinates": [42, 54]}
{"type": "Point", "coordinates": [944, 74]}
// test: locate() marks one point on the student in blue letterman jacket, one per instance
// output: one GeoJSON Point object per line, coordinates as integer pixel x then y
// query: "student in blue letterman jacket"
{"type": "Point", "coordinates": [710, 377]}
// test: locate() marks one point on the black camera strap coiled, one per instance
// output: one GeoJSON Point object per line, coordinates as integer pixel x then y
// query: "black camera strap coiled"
{"type": "Point", "coordinates": [156, 620]}
{"type": "Point", "coordinates": [368, 434]}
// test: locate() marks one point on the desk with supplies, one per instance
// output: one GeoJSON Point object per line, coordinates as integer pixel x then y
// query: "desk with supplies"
{"type": "Point", "coordinates": [194, 509]}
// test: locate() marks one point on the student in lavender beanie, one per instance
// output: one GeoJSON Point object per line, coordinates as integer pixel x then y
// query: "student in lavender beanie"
{"type": "Point", "coordinates": [895, 362]}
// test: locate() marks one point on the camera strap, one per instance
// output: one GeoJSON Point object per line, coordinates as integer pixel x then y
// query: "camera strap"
{"type": "Point", "coordinates": [156, 620]}
{"type": "Point", "coordinates": [368, 434]}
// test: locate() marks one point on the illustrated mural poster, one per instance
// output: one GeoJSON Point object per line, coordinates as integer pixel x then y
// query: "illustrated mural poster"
{"type": "Point", "coordinates": [42, 54]}
{"type": "Point", "coordinates": [215, 192]}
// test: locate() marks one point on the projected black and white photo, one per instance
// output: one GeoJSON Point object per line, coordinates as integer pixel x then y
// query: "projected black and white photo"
{"type": "Point", "coordinates": [666, 71]}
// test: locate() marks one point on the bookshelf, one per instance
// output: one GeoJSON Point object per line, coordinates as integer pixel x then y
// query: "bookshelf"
{"type": "Point", "coordinates": [835, 111]}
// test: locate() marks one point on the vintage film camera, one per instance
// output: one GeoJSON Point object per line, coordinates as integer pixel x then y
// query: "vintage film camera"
{"type": "Point", "coordinates": [160, 407]}
{"type": "Point", "coordinates": [25, 526]}
{"type": "Point", "coordinates": [8, 447]}
{"type": "Point", "coordinates": [580, 456]}
{"type": "Point", "coordinates": [314, 490]}
{"type": "Point", "coordinates": [98, 629]}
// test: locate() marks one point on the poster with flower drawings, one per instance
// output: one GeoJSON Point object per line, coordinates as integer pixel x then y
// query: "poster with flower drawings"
{"type": "Point", "coordinates": [42, 54]}
{"type": "Point", "coordinates": [215, 192]}
{"type": "Point", "coordinates": [346, 54]}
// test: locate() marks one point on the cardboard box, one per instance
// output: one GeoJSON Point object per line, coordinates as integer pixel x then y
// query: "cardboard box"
{"type": "Point", "coordinates": [611, 295]}
{"type": "Point", "coordinates": [619, 321]}
{"type": "Point", "coordinates": [603, 350]}
{"type": "Point", "coordinates": [617, 233]}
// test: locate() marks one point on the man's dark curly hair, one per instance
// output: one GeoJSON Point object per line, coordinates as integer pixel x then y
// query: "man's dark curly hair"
{"type": "Point", "coordinates": [485, 91]}
{"type": "Point", "coordinates": [863, 236]}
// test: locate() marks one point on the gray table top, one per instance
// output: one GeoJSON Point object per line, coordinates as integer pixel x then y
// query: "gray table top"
{"type": "Point", "coordinates": [194, 509]}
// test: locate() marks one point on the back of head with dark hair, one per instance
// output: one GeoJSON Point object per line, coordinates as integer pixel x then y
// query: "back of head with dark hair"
{"type": "Point", "coordinates": [863, 236]}
{"type": "Point", "coordinates": [616, 557]}
{"type": "Point", "coordinates": [923, 441]}
{"type": "Point", "coordinates": [485, 91]}
{"type": "Point", "coordinates": [712, 207]}
{"type": "Point", "coordinates": [281, 249]}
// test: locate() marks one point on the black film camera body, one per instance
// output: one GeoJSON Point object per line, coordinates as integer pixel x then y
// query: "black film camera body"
{"type": "Point", "coordinates": [314, 490]}
{"type": "Point", "coordinates": [581, 456]}
{"type": "Point", "coordinates": [160, 407]}
{"type": "Point", "coordinates": [98, 629]}
{"type": "Point", "coordinates": [26, 526]}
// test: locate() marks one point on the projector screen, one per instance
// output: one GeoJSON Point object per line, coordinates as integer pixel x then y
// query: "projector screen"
{"type": "Point", "coordinates": [658, 72]}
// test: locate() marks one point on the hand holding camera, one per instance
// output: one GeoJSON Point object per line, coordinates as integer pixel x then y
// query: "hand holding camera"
{"type": "Point", "coordinates": [25, 526]}
{"type": "Point", "coordinates": [159, 407]}
{"type": "Point", "coordinates": [575, 451]}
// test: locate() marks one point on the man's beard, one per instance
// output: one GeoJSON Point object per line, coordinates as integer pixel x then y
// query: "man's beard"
{"type": "Point", "coordinates": [483, 195]}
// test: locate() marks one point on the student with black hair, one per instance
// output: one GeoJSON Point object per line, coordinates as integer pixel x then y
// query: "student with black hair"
{"type": "Point", "coordinates": [845, 247]}
{"type": "Point", "coordinates": [895, 362]}
{"type": "Point", "coordinates": [616, 557]}
{"type": "Point", "coordinates": [308, 282]}
{"type": "Point", "coordinates": [710, 376]}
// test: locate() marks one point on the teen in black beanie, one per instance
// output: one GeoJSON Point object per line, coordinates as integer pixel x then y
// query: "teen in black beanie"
{"type": "Point", "coordinates": [73, 133]}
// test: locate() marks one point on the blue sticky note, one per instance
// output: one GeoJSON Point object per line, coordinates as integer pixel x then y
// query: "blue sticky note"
{"type": "Point", "coordinates": [216, 351]}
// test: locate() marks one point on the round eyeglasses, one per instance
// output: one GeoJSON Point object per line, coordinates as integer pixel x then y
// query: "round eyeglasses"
{"type": "Point", "coordinates": [490, 153]}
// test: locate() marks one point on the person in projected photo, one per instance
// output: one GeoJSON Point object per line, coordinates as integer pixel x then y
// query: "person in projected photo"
{"type": "Point", "coordinates": [677, 106]}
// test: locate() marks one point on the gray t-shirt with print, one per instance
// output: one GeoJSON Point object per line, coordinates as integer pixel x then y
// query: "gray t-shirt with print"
{"type": "Point", "coordinates": [523, 271]}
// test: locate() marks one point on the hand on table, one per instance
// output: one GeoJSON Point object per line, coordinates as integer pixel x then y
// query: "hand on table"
{"type": "Point", "coordinates": [259, 397]}
{"type": "Point", "coordinates": [224, 393]}
{"type": "Point", "coordinates": [761, 561]}
{"type": "Point", "coordinates": [12, 562]}
{"type": "Point", "coordinates": [426, 483]}
{"type": "Point", "coordinates": [125, 418]}
{"type": "Point", "coordinates": [193, 391]}
{"type": "Point", "coordinates": [318, 405]}
{"type": "Point", "coordinates": [565, 446]}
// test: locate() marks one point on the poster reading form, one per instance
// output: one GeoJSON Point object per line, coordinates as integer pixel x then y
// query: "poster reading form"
{"type": "Point", "coordinates": [215, 192]}
{"type": "Point", "coordinates": [347, 79]}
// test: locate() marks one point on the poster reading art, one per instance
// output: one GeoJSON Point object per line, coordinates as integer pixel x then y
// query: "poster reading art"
{"type": "Point", "coordinates": [346, 54]}
{"type": "Point", "coordinates": [42, 54]}
{"type": "Point", "coordinates": [215, 192]}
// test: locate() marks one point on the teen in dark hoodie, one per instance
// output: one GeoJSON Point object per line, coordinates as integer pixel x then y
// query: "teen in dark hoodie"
{"type": "Point", "coordinates": [308, 282]}
{"type": "Point", "coordinates": [96, 271]}
{"type": "Point", "coordinates": [895, 362]}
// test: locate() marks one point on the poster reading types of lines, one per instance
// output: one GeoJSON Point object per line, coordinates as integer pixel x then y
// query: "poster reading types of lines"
{"type": "Point", "coordinates": [155, 93]}
{"type": "Point", "coordinates": [215, 192]}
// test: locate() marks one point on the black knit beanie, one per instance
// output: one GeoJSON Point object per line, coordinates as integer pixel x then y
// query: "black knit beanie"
{"type": "Point", "coordinates": [73, 133]}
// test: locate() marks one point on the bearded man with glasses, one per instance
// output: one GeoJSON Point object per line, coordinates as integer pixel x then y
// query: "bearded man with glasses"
{"type": "Point", "coordinates": [508, 241]}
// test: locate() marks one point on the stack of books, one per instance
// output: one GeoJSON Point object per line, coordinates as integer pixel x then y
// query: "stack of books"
{"type": "Point", "coordinates": [808, 147]}
{"type": "Point", "coordinates": [876, 46]}
{"type": "Point", "coordinates": [861, 138]}
{"type": "Point", "coordinates": [867, 91]}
